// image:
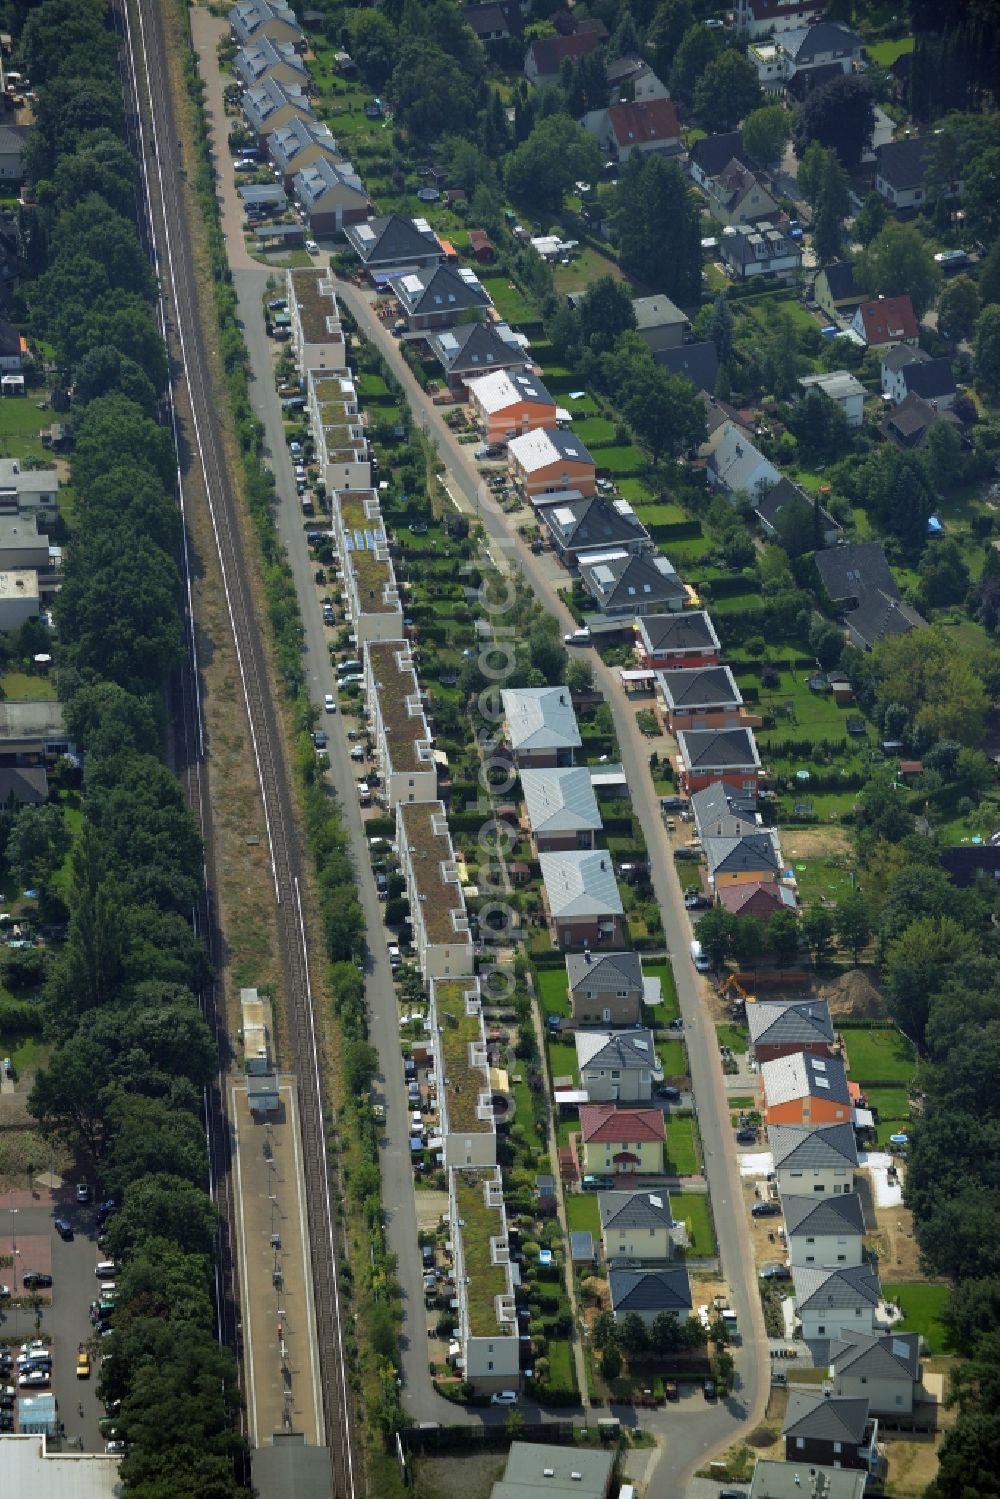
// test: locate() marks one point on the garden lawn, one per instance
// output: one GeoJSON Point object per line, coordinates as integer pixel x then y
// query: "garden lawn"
{"type": "Point", "coordinates": [673, 1057]}
{"type": "Point", "coordinates": [586, 266]}
{"type": "Point", "coordinates": [561, 1372]}
{"type": "Point", "coordinates": [923, 1311]}
{"type": "Point", "coordinates": [878, 1056]}
{"type": "Point", "coordinates": [736, 1037]}
{"type": "Point", "coordinates": [682, 1146]}
{"type": "Point", "coordinates": [693, 1209]}
{"type": "Point", "coordinates": [884, 54]}
{"type": "Point", "coordinates": [19, 687]}
{"type": "Point", "coordinates": [28, 1053]}
{"type": "Point", "coordinates": [622, 459]}
{"type": "Point", "coordinates": [595, 432]}
{"type": "Point", "coordinates": [20, 417]}
{"type": "Point", "coordinates": [583, 1214]}
{"type": "Point", "coordinates": [552, 987]}
{"type": "Point", "coordinates": [636, 491]}
{"type": "Point", "coordinates": [819, 879]}
{"type": "Point", "coordinates": [562, 1060]}
{"type": "Point", "coordinates": [668, 1009]}
{"type": "Point", "coordinates": [511, 303]}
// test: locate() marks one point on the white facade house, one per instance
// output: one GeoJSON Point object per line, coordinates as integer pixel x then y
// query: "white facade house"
{"type": "Point", "coordinates": [841, 387]}
{"type": "Point", "coordinates": [816, 1159]}
{"type": "Point", "coordinates": [832, 1302]}
{"type": "Point", "coordinates": [317, 335]}
{"type": "Point", "coordinates": [427, 861]}
{"type": "Point", "coordinates": [735, 466]}
{"type": "Point", "coordinates": [826, 1231]}
{"type": "Point", "coordinates": [616, 1066]}
{"type": "Point", "coordinates": [487, 1348]}
{"type": "Point", "coordinates": [404, 753]}
{"type": "Point", "coordinates": [23, 491]}
{"type": "Point", "coordinates": [19, 598]}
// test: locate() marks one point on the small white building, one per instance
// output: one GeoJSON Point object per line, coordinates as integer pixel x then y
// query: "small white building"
{"type": "Point", "coordinates": [832, 1302]}
{"type": "Point", "coordinates": [825, 1232]}
{"type": "Point", "coordinates": [841, 387]}
{"type": "Point", "coordinates": [19, 598]}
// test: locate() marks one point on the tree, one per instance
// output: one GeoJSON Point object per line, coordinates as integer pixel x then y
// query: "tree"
{"type": "Point", "coordinates": [727, 90]}
{"type": "Point", "coordinates": [943, 570]}
{"type": "Point", "coordinates": [783, 936]}
{"type": "Point", "coordinates": [67, 1097]}
{"type": "Point", "coordinates": [935, 683]}
{"type": "Point", "coordinates": [659, 230]}
{"type": "Point", "coordinates": [840, 114]}
{"type": "Point", "coordinates": [101, 164]}
{"type": "Point", "coordinates": [665, 411]}
{"type": "Point", "coordinates": [826, 643]}
{"type": "Point", "coordinates": [871, 217]}
{"type": "Point", "coordinates": [715, 933]}
{"type": "Point", "coordinates": [604, 1330]}
{"type": "Point", "coordinates": [698, 47]}
{"type": "Point", "coordinates": [719, 329]}
{"type": "Point", "coordinates": [958, 308]}
{"type": "Point", "coordinates": [723, 1367]}
{"type": "Point", "coordinates": [986, 349]}
{"type": "Point", "coordinates": [39, 842]}
{"type": "Point", "coordinates": [632, 1336]}
{"type": "Point", "coordinates": [670, 24]}
{"type": "Point", "coordinates": [896, 489]}
{"type": "Point", "coordinates": [624, 40]}
{"type": "Point", "coordinates": [432, 90]}
{"type": "Point", "coordinates": [833, 201]}
{"type": "Point", "coordinates": [557, 153]}
{"type": "Point", "coordinates": [148, 1136]}
{"type": "Point", "coordinates": [605, 311]}
{"type": "Point", "coordinates": [918, 963]}
{"type": "Point", "coordinates": [546, 650]}
{"type": "Point", "coordinates": [853, 923]}
{"type": "Point", "coordinates": [989, 277]}
{"type": "Point", "coordinates": [981, 196]}
{"type": "Point", "coordinates": [747, 940]}
{"type": "Point", "coordinates": [611, 1362]}
{"type": "Point", "coordinates": [166, 1209]}
{"type": "Point", "coordinates": [899, 261]}
{"type": "Point", "coordinates": [817, 929]}
{"type": "Point", "coordinates": [373, 44]}
{"type": "Point", "coordinates": [766, 133]}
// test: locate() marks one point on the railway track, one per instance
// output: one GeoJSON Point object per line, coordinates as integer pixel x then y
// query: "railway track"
{"type": "Point", "coordinates": [164, 189]}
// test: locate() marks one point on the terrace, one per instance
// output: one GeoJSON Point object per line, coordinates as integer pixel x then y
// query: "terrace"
{"type": "Point", "coordinates": [399, 708]}
{"type": "Point", "coordinates": [436, 900]}
{"type": "Point", "coordinates": [482, 1266]}
{"type": "Point", "coordinates": [316, 302]}
{"type": "Point", "coordinates": [359, 510]}
{"type": "Point", "coordinates": [374, 581]}
{"type": "Point", "coordinates": [464, 1069]}
{"type": "Point", "coordinates": [335, 391]}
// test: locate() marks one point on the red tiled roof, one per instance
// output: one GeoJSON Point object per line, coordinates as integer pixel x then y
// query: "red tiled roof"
{"type": "Point", "coordinates": [649, 120]}
{"type": "Point", "coordinates": [603, 1121]}
{"type": "Point", "coordinates": [549, 51]}
{"type": "Point", "coordinates": [889, 318]}
{"type": "Point", "coordinates": [736, 898]}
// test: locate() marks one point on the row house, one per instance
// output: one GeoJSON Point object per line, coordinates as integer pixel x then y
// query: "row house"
{"type": "Point", "coordinates": [561, 810]}
{"type": "Point", "coordinates": [663, 641]}
{"type": "Point", "coordinates": [299, 144]}
{"type": "Point", "coordinates": [317, 335]}
{"type": "Point", "coordinates": [506, 403]}
{"type": "Point", "coordinates": [464, 1097]}
{"type": "Point", "coordinates": [341, 440]}
{"type": "Point", "coordinates": [404, 751]}
{"type": "Point", "coordinates": [692, 698]}
{"type": "Point", "coordinates": [371, 594]}
{"type": "Point", "coordinates": [486, 1347]}
{"type": "Point", "coordinates": [438, 917]}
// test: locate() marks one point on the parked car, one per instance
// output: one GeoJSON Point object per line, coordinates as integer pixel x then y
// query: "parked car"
{"type": "Point", "coordinates": [83, 1364]}
{"type": "Point", "coordinates": [504, 1397]}
{"type": "Point", "coordinates": [82, 1192]}
{"type": "Point", "coordinates": [747, 1135]}
{"type": "Point", "coordinates": [775, 1272]}
{"type": "Point", "coordinates": [34, 1280]}
{"type": "Point", "coordinates": [708, 1389]}
{"type": "Point", "coordinates": [765, 1210]}
{"type": "Point", "coordinates": [671, 1390]}
{"type": "Point", "coordinates": [320, 740]}
{"type": "Point", "coordinates": [672, 1095]}
{"type": "Point", "coordinates": [312, 247]}
{"type": "Point", "coordinates": [696, 902]}
{"type": "Point", "coordinates": [32, 1377]}
{"type": "Point", "coordinates": [687, 853]}
{"type": "Point", "coordinates": [63, 1228]}
{"type": "Point", "coordinates": [329, 703]}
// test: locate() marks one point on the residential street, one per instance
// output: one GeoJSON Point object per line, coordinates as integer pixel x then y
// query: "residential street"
{"type": "Point", "coordinates": [708, 1427]}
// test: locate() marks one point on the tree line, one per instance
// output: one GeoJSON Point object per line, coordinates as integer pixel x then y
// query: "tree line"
{"type": "Point", "coordinates": [131, 1051]}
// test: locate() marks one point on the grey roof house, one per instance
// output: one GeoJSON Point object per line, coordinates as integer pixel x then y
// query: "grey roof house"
{"type": "Point", "coordinates": [883, 1367]}
{"type": "Point", "coordinates": [606, 988]}
{"type": "Point", "coordinates": [659, 322]}
{"type": "Point", "coordinates": [832, 1301]}
{"type": "Point", "coordinates": [900, 169]}
{"type": "Point", "coordinates": [721, 812]}
{"type": "Point", "coordinates": [625, 585]}
{"type": "Point", "coordinates": [299, 143]}
{"type": "Point", "coordinates": [731, 860]}
{"type": "Point", "coordinates": [266, 59]}
{"type": "Point", "coordinates": [686, 639]}
{"type": "Point", "coordinates": [698, 697]}
{"type": "Point", "coordinates": [771, 502]}
{"type": "Point", "coordinates": [807, 1158]}
{"type": "Point", "coordinates": [251, 19]}
{"type": "Point", "coordinates": [331, 195]}
{"type": "Point", "coordinates": [710, 155]}
{"type": "Point", "coordinates": [593, 523]}
{"type": "Point", "coordinates": [774, 1480]}
{"type": "Point", "coordinates": [637, 1225]}
{"type": "Point", "coordinates": [822, 1231]}
{"type": "Point", "coordinates": [476, 349]}
{"type": "Point", "coordinates": [698, 363]}
{"type": "Point", "coordinates": [819, 1428]}
{"type": "Point", "coordinates": [759, 249]}
{"type": "Point", "coordinates": [649, 1292]}
{"type": "Point", "coordinates": [540, 721]}
{"type": "Point", "coordinates": [561, 807]}
{"type": "Point", "coordinates": [616, 1066]}
{"type": "Point", "coordinates": [391, 245]}
{"type": "Point", "coordinates": [437, 296]}
{"type": "Point", "coordinates": [858, 576]}
{"type": "Point", "coordinates": [269, 105]}
{"type": "Point", "coordinates": [779, 1027]}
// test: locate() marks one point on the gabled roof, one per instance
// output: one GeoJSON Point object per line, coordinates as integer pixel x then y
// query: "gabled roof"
{"type": "Point", "coordinates": [627, 581]}
{"type": "Point", "coordinates": [803, 1075]}
{"type": "Point", "coordinates": [254, 60]}
{"type": "Point", "coordinates": [594, 521]}
{"type": "Point", "coordinates": [797, 1147]}
{"type": "Point", "coordinates": [548, 52]}
{"type": "Point", "coordinates": [440, 288]}
{"type": "Point", "coordinates": [714, 152]}
{"type": "Point", "coordinates": [291, 139]}
{"type": "Point", "coordinates": [539, 449]}
{"type": "Point", "coordinates": [889, 1356]}
{"type": "Point", "coordinates": [774, 500]}
{"type": "Point", "coordinates": [841, 1289]}
{"type": "Point", "coordinates": [723, 812]}
{"type": "Point", "coordinates": [698, 363]}
{"type": "Point", "coordinates": [601, 1122]}
{"type": "Point", "coordinates": [887, 319]}
{"type": "Point", "coordinates": [902, 164]}
{"type": "Point", "coordinates": [850, 571]}
{"type": "Point", "coordinates": [247, 16]}
{"type": "Point", "coordinates": [560, 801]}
{"type": "Point", "coordinates": [479, 346]}
{"type": "Point", "coordinates": [710, 749]}
{"type": "Point", "coordinates": [840, 280]}
{"type": "Point", "coordinates": [689, 631]}
{"type": "Point", "coordinates": [698, 687]}
{"type": "Point", "coordinates": [650, 1290]}
{"type": "Point", "coordinates": [807, 1217]}
{"type": "Point", "coordinates": [735, 460]}
{"type": "Point", "coordinates": [751, 853]}
{"type": "Point", "coordinates": [580, 883]}
{"type": "Point", "coordinates": [879, 615]}
{"type": "Point", "coordinates": [492, 17]}
{"type": "Point", "coordinates": [323, 176]}
{"type": "Point", "coordinates": [909, 423]}
{"type": "Point", "coordinates": [504, 389]}
{"type": "Point", "coordinates": [605, 972]}
{"type": "Point", "coordinates": [631, 1051]}
{"type": "Point", "coordinates": [774, 1022]}
{"type": "Point", "coordinates": [930, 378]}
{"type": "Point", "coordinates": [643, 123]}
{"type": "Point", "coordinates": [540, 718]}
{"type": "Point", "coordinates": [756, 898]}
{"type": "Point", "coordinates": [624, 1210]}
{"type": "Point", "coordinates": [393, 240]}
{"type": "Point", "coordinates": [268, 97]}
{"type": "Point", "coordinates": [13, 138]}
{"type": "Point", "coordinates": [902, 355]}
{"type": "Point", "coordinates": [749, 244]}
{"type": "Point", "coordinates": [824, 1418]}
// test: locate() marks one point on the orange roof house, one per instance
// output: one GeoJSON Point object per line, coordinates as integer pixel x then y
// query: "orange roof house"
{"type": "Point", "coordinates": [805, 1089]}
{"type": "Point", "coordinates": [886, 321]}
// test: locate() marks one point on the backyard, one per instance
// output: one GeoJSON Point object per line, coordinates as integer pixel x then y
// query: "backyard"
{"type": "Point", "coordinates": [693, 1209]}
{"type": "Point", "coordinates": [923, 1308]}
{"type": "Point", "coordinates": [683, 1149]}
{"type": "Point", "coordinates": [878, 1055]}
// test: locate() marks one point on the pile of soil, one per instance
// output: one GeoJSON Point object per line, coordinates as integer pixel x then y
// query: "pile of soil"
{"type": "Point", "coordinates": [854, 997]}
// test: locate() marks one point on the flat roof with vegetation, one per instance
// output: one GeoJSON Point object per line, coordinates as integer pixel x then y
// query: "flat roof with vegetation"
{"type": "Point", "coordinates": [463, 1079]}
{"type": "Point", "coordinates": [372, 577]}
{"type": "Point", "coordinates": [317, 310]}
{"type": "Point", "coordinates": [439, 898]}
{"type": "Point", "coordinates": [352, 506]}
{"type": "Point", "coordinates": [396, 686]}
{"type": "Point", "coordinates": [486, 1281]}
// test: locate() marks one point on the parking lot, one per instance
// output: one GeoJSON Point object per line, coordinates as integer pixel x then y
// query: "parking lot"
{"type": "Point", "coordinates": [26, 1218]}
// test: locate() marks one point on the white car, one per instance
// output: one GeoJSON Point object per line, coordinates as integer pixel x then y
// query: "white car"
{"type": "Point", "coordinates": [329, 703]}
{"type": "Point", "coordinates": [577, 637]}
{"type": "Point", "coordinates": [504, 1397]}
{"type": "Point", "coordinates": [312, 247]}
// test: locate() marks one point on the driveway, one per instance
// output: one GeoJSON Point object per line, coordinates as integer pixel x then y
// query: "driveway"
{"type": "Point", "coordinates": [708, 1428]}
{"type": "Point", "coordinates": [74, 1286]}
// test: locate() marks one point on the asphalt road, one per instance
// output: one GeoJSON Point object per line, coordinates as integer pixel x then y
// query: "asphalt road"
{"type": "Point", "coordinates": [67, 1320]}
{"type": "Point", "coordinates": [711, 1427]}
